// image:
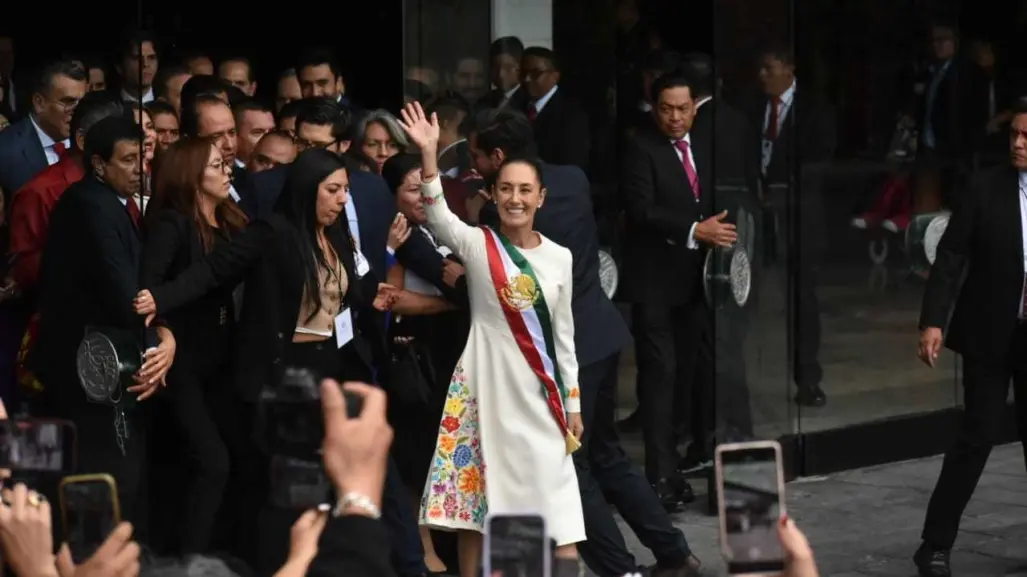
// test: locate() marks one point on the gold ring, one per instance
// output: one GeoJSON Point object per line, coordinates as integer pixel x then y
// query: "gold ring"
{"type": "Point", "coordinates": [35, 500]}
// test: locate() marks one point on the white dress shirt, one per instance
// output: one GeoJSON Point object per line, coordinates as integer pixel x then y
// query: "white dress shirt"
{"type": "Point", "coordinates": [541, 102]}
{"type": "Point", "coordinates": [147, 98]}
{"type": "Point", "coordinates": [48, 143]}
{"type": "Point", "coordinates": [692, 243]}
{"type": "Point", "coordinates": [783, 106]}
{"type": "Point", "coordinates": [1023, 234]}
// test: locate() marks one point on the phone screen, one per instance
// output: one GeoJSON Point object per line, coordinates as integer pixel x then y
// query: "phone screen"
{"type": "Point", "coordinates": [752, 509]}
{"type": "Point", "coordinates": [299, 484]}
{"type": "Point", "coordinates": [91, 513]}
{"type": "Point", "coordinates": [34, 445]}
{"type": "Point", "coordinates": [517, 546]}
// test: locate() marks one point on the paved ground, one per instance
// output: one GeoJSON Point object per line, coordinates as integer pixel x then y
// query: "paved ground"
{"type": "Point", "coordinates": [867, 522]}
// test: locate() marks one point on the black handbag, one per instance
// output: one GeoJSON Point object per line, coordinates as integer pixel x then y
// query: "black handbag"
{"type": "Point", "coordinates": [411, 373]}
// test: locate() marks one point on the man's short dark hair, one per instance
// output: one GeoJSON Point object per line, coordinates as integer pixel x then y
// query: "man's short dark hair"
{"type": "Point", "coordinates": [250, 72]}
{"type": "Point", "coordinates": [505, 129]}
{"type": "Point", "coordinates": [107, 133]}
{"type": "Point", "coordinates": [543, 53]}
{"type": "Point", "coordinates": [1019, 106]}
{"type": "Point", "coordinates": [189, 124]}
{"type": "Point", "coordinates": [290, 109]}
{"type": "Point", "coordinates": [202, 84]}
{"type": "Point", "coordinates": [673, 80]}
{"type": "Point", "coordinates": [249, 105]}
{"type": "Point", "coordinates": [448, 106]}
{"type": "Point", "coordinates": [132, 40]}
{"type": "Point", "coordinates": [159, 107]}
{"type": "Point", "coordinates": [235, 94]}
{"type": "Point", "coordinates": [509, 45]}
{"type": "Point", "coordinates": [94, 107]}
{"type": "Point", "coordinates": [317, 57]}
{"type": "Point", "coordinates": [164, 75]}
{"type": "Point", "coordinates": [322, 111]}
{"type": "Point", "coordinates": [782, 51]}
{"type": "Point", "coordinates": [51, 70]}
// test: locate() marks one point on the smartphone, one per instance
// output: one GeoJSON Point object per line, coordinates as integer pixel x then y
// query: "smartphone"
{"type": "Point", "coordinates": [90, 511]}
{"type": "Point", "coordinates": [516, 546]}
{"type": "Point", "coordinates": [750, 501]}
{"type": "Point", "coordinates": [37, 445]}
{"type": "Point", "coordinates": [299, 484]}
{"type": "Point", "coordinates": [293, 418]}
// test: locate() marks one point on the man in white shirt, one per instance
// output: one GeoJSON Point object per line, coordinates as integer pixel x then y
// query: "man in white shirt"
{"type": "Point", "coordinates": [137, 66]}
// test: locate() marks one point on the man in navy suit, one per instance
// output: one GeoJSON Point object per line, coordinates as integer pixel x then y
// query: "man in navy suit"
{"type": "Point", "coordinates": [599, 334]}
{"type": "Point", "coordinates": [41, 138]}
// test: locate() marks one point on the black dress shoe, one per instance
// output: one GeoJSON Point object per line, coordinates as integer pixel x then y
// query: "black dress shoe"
{"type": "Point", "coordinates": [689, 569]}
{"type": "Point", "coordinates": [673, 492]}
{"type": "Point", "coordinates": [811, 396]}
{"type": "Point", "coordinates": [932, 562]}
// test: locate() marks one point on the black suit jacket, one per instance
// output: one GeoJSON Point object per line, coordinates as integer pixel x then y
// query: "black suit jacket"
{"type": "Point", "coordinates": [266, 253]}
{"type": "Point", "coordinates": [561, 132]}
{"type": "Point", "coordinates": [661, 207]}
{"type": "Point", "coordinates": [952, 116]}
{"type": "Point", "coordinates": [566, 218]}
{"type": "Point", "coordinates": [354, 546]}
{"type": "Point", "coordinates": [88, 277]}
{"type": "Point", "coordinates": [984, 241]}
{"type": "Point", "coordinates": [722, 128]}
{"type": "Point", "coordinates": [21, 156]}
{"type": "Point", "coordinates": [375, 207]}
{"type": "Point", "coordinates": [494, 99]}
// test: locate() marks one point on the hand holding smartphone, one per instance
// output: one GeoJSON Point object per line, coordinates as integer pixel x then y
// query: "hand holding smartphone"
{"type": "Point", "coordinates": [90, 511]}
{"type": "Point", "coordinates": [750, 499]}
{"type": "Point", "coordinates": [516, 546]}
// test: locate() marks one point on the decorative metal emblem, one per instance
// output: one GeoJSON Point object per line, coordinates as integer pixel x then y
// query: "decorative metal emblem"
{"type": "Point", "coordinates": [728, 269]}
{"type": "Point", "coordinates": [609, 276]}
{"type": "Point", "coordinates": [932, 236]}
{"type": "Point", "coordinates": [922, 237]}
{"type": "Point", "coordinates": [740, 273]}
{"type": "Point", "coordinates": [99, 368]}
{"type": "Point", "coordinates": [520, 292]}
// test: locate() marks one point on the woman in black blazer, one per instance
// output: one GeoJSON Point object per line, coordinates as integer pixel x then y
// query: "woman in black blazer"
{"type": "Point", "coordinates": [190, 214]}
{"type": "Point", "coordinates": [301, 271]}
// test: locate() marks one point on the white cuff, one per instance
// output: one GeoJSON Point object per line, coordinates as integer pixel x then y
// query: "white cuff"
{"type": "Point", "coordinates": [692, 244]}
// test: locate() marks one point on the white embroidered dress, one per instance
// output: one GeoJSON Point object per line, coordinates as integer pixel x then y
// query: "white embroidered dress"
{"type": "Point", "coordinates": [499, 449]}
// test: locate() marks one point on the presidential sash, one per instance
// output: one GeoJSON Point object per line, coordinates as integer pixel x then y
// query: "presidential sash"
{"type": "Point", "coordinates": [526, 312]}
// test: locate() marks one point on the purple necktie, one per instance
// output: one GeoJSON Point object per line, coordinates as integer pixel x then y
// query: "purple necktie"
{"type": "Point", "coordinates": [686, 160]}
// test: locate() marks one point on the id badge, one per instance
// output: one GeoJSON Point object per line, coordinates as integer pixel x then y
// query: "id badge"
{"type": "Point", "coordinates": [343, 328]}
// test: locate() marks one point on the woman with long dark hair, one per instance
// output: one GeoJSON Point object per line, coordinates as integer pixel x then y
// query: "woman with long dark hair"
{"type": "Point", "coordinates": [306, 304]}
{"type": "Point", "coordinates": [190, 214]}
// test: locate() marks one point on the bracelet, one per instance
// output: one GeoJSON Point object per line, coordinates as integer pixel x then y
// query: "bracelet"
{"type": "Point", "coordinates": [359, 501]}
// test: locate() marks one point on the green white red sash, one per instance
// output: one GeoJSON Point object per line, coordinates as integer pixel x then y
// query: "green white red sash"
{"type": "Point", "coordinates": [524, 305]}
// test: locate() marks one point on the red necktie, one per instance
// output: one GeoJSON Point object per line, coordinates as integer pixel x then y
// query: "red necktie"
{"type": "Point", "coordinates": [775, 104]}
{"type": "Point", "coordinates": [133, 211]}
{"type": "Point", "coordinates": [686, 160]}
{"type": "Point", "coordinates": [532, 113]}
{"type": "Point", "coordinates": [59, 148]}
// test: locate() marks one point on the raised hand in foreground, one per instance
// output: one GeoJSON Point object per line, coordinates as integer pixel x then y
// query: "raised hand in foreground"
{"type": "Point", "coordinates": [25, 533]}
{"type": "Point", "coordinates": [799, 560]}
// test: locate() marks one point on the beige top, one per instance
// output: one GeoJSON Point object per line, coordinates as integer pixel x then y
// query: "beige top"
{"type": "Point", "coordinates": [334, 284]}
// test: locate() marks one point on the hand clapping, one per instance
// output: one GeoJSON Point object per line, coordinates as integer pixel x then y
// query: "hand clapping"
{"type": "Point", "coordinates": [399, 232]}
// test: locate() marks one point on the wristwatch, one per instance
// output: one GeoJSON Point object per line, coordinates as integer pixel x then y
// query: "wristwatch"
{"type": "Point", "coordinates": [357, 501]}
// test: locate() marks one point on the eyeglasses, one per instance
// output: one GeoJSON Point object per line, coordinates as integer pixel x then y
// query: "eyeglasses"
{"type": "Point", "coordinates": [67, 104]}
{"type": "Point", "coordinates": [306, 144]}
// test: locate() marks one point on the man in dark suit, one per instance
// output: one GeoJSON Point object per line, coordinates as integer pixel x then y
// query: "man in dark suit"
{"type": "Point", "coordinates": [505, 59]}
{"type": "Point", "coordinates": [720, 127]}
{"type": "Point", "coordinates": [599, 333]}
{"type": "Point", "coordinates": [41, 138]}
{"type": "Point", "coordinates": [89, 278]}
{"type": "Point", "coordinates": [667, 189]}
{"type": "Point", "coordinates": [209, 116]}
{"type": "Point", "coordinates": [322, 123]}
{"type": "Point", "coordinates": [796, 139]}
{"type": "Point", "coordinates": [980, 270]}
{"type": "Point", "coordinates": [943, 111]}
{"type": "Point", "coordinates": [561, 126]}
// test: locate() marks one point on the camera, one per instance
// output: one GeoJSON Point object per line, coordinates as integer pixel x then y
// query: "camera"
{"type": "Point", "coordinates": [292, 423]}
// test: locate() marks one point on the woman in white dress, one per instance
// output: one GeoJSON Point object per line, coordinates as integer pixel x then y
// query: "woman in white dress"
{"type": "Point", "coordinates": [512, 415]}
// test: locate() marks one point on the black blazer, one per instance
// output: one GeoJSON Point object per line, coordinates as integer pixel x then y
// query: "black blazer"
{"type": "Point", "coordinates": [661, 207]}
{"type": "Point", "coordinates": [265, 252]}
{"type": "Point", "coordinates": [984, 241]}
{"type": "Point", "coordinates": [566, 218]}
{"type": "Point", "coordinates": [354, 546]}
{"type": "Point", "coordinates": [173, 245]}
{"type": "Point", "coordinates": [494, 99]}
{"type": "Point", "coordinates": [375, 207]}
{"type": "Point", "coordinates": [561, 132]}
{"type": "Point", "coordinates": [88, 277]}
{"type": "Point", "coordinates": [952, 115]}
{"type": "Point", "coordinates": [723, 129]}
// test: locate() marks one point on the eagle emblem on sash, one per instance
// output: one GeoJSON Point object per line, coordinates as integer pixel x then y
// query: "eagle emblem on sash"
{"type": "Point", "coordinates": [520, 293]}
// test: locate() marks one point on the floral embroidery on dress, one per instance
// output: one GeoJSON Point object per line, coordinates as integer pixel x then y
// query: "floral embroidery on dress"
{"type": "Point", "coordinates": [455, 491]}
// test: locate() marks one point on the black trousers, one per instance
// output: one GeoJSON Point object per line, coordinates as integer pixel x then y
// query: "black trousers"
{"type": "Point", "coordinates": [606, 476]}
{"type": "Point", "coordinates": [806, 323]}
{"type": "Point", "coordinates": [733, 411]}
{"type": "Point", "coordinates": [985, 389]}
{"type": "Point", "coordinates": [674, 354]}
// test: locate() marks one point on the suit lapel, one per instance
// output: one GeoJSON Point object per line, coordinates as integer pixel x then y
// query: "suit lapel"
{"type": "Point", "coordinates": [35, 156]}
{"type": "Point", "coordinates": [1010, 210]}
